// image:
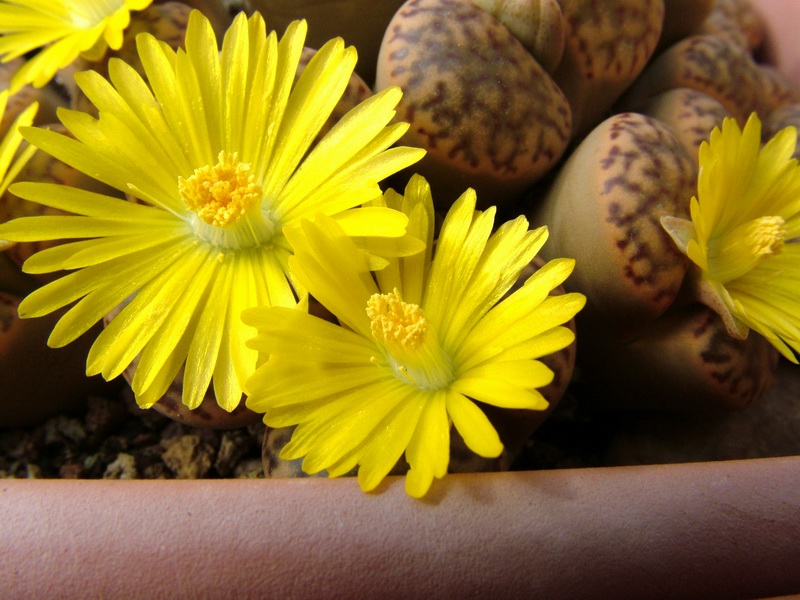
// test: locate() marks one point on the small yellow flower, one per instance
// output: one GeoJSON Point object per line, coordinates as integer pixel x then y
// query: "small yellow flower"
{"type": "Point", "coordinates": [11, 162]}
{"type": "Point", "coordinates": [60, 30]}
{"type": "Point", "coordinates": [745, 221]}
{"type": "Point", "coordinates": [218, 151]}
{"type": "Point", "coordinates": [420, 341]}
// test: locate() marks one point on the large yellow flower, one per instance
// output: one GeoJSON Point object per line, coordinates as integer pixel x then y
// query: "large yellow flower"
{"type": "Point", "coordinates": [11, 160]}
{"type": "Point", "coordinates": [745, 221]}
{"type": "Point", "coordinates": [60, 30]}
{"type": "Point", "coordinates": [218, 152]}
{"type": "Point", "coordinates": [420, 341]}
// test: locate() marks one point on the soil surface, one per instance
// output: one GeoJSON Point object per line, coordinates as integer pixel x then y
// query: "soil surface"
{"type": "Point", "coordinates": [112, 438]}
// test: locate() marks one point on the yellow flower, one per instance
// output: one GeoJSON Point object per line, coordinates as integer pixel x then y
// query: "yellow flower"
{"type": "Point", "coordinates": [745, 221]}
{"type": "Point", "coordinates": [11, 163]}
{"type": "Point", "coordinates": [420, 341]}
{"type": "Point", "coordinates": [60, 30]}
{"type": "Point", "coordinates": [218, 155]}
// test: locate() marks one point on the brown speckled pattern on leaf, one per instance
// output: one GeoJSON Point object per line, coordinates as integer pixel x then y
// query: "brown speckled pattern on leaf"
{"type": "Point", "coordinates": [691, 115]}
{"type": "Point", "coordinates": [736, 20]}
{"type": "Point", "coordinates": [603, 209]}
{"type": "Point", "coordinates": [537, 24]}
{"type": "Point", "coordinates": [713, 65]}
{"type": "Point", "coordinates": [639, 152]}
{"type": "Point", "coordinates": [612, 39]}
{"type": "Point", "coordinates": [743, 369]}
{"type": "Point", "coordinates": [475, 98]}
{"type": "Point", "coordinates": [607, 46]}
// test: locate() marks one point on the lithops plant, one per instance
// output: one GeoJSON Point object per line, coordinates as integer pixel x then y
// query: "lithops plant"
{"type": "Point", "coordinates": [608, 45]}
{"type": "Point", "coordinates": [642, 333]}
{"type": "Point", "coordinates": [690, 115]}
{"type": "Point", "coordinates": [488, 114]}
{"type": "Point", "coordinates": [684, 361]}
{"type": "Point", "coordinates": [688, 351]}
{"type": "Point", "coordinates": [715, 66]}
{"type": "Point", "coordinates": [737, 21]}
{"type": "Point", "coordinates": [603, 209]}
{"type": "Point", "coordinates": [538, 24]}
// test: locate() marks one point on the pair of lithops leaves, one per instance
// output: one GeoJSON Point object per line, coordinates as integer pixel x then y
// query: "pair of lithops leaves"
{"type": "Point", "coordinates": [497, 90]}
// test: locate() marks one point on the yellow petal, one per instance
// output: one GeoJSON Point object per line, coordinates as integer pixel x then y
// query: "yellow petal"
{"type": "Point", "coordinates": [300, 336]}
{"type": "Point", "coordinates": [173, 337]}
{"type": "Point", "coordinates": [521, 373]}
{"type": "Point", "coordinates": [479, 434]}
{"type": "Point", "coordinates": [386, 446]}
{"type": "Point", "coordinates": [204, 348]}
{"type": "Point", "coordinates": [499, 393]}
{"type": "Point", "coordinates": [428, 452]}
{"type": "Point", "coordinates": [125, 336]}
{"type": "Point", "coordinates": [313, 384]}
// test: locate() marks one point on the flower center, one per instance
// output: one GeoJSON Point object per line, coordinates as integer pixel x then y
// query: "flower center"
{"type": "Point", "coordinates": [766, 235]}
{"type": "Point", "coordinates": [409, 340]}
{"type": "Point", "coordinates": [220, 194]}
{"type": "Point", "coordinates": [226, 203]}
{"type": "Point", "coordinates": [747, 246]}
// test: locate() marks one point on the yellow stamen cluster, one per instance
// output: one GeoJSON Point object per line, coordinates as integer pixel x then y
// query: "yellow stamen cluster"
{"type": "Point", "coordinates": [394, 322]}
{"type": "Point", "coordinates": [220, 194]}
{"type": "Point", "coordinates": [412, 345]}
{"type": "Point", "coordinates": [745, 247]}
{"type": "Point", "coordinates": [766, 235]}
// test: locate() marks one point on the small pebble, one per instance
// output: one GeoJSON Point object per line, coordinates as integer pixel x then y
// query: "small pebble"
{"type": "Point", "coordinates": [188, 457]}
{"type": "Point", "coordinates": [124, 467]}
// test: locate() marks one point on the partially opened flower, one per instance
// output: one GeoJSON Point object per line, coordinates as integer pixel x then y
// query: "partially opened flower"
{"type": "Point", "coordinates": [420, 342]}
{"type": "Point", "coordinates": [745, 221]}
{"type": "Point", "coordinates": [59, 31]}
{"type": "Point", "coordinates": [217, 150]}
{"type": "Point", "coordinates": [11, 158]}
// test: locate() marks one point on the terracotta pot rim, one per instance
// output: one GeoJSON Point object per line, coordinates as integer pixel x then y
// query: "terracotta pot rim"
{"type": "Point", "coordinates": [722, 529]}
